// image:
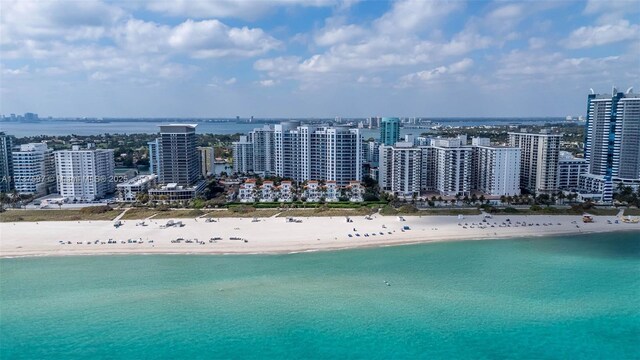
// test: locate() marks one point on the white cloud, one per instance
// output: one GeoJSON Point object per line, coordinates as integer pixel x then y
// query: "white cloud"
{"type": "Point", "coordinates": [105, 43]}
{"type": "Point", "coordinates": [24, 70]}
{"type": "Point", "coordinates": [268, 83]}
{"type": "Point", "coordinates": [340, 34]}
{"type": "Point", "coordinates": [410, 16]}
{"type": "Point", "coordinates": [590, 36]}
{"type": "Point", "coordinates": [213, 39]}
{"type": "Point", "coordinates": [395, 39]}
{"type": "Point", "coordinates": [535, 66]}
{"type": "Point", "coordinates": [230, 81]}
{"type": "Point", "coordinates": [439, 72]}
{"type": "Point", "coordinates": [85, 20]}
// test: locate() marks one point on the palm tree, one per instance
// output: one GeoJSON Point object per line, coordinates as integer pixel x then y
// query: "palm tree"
{"type": "Point", "coordinates": [3, 199]}
{"type": "Point", "coordinates": [561, 197]}
{"type": "Point", "coordinates": [15, 197]}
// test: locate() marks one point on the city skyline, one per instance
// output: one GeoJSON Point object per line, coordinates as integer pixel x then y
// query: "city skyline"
{"type": "Point", "coordinates": [332, 58]}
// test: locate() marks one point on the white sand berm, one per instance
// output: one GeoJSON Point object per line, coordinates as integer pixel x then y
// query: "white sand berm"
{"type": "Point", "coordinates": [276, 235]}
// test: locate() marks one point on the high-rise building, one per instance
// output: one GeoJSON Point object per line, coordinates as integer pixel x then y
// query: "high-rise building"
{"type": "Point", "coordinates": [6, 163]}
{"type": "Point", "coordinates": [539, 160]}
{"type": "Point", "coordinates": [371, 153]}
{"type": "Point", "coordinates": [401, 169]}
{"type": "Point", "coordinates": [243, 156]}
{"type": "Point", "coordinates": [154, 156]}
{"type": "Point", "coordinates": [612, 143]}
{"type": "Point", "coordinates": [179, 162]}
{"type": "Point", "coordinates": [444, 167]}
{"type": "Point", "coordinates": [207, 159]}
{"type": "Point", "coordinates": [34, 169]}
{"type": "Point", "coordinates": [263, 150]}
{"type": "Point", "coordinates": [496, 169]}
{"type": "Point", "coordinates": [389, 131]}
{"type": "Point", "coordinates": [569, 170]}
{"type": "Point", "coordinates": [85, 174]}
{"type": "Point", "coordinates": [303, 152]}
{"type": "Point", "coordinates": [453, 166]}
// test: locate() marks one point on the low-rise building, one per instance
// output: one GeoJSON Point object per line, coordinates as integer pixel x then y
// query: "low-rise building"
{"type": "Point", "coordinates": [313, 192]}
{"type": "Point", "coordinates": [332, 192]}
{"type": "Point", "coordinates": [355, 191]}
{"type": "Point", "coordinates": [247, 191]}
{"type": "Point", "coordinates": [173, 192]}
{"type": "Point", "coordinates": [267, 191]}
{"type": "Point", "coordinates": [129, 190]}
{"type": "Point", "coordinates": [286, 191]}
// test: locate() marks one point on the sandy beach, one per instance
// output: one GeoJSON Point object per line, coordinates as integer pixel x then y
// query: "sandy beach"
{"type": "Point", "coordinates": [277, 235]}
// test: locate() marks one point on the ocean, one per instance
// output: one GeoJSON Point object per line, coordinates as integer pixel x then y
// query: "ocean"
{"type": "Point", "coordinates": [575, 297]}
{"type": "Point", "coordinates": [65, 127]}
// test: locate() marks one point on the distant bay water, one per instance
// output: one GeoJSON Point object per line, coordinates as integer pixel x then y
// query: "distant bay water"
{"type": "Point", "coordinates": [66, 127]}
{"type": "Point", "coordinates": [538, 298]}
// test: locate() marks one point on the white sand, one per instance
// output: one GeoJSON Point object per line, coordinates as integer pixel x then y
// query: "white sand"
{"type": "Point", "coordinates": [275, 235]}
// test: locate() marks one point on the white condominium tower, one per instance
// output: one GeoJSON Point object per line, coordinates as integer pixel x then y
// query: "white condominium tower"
{"type": "Point", "coordinates": [243, 156]}
{"type": "Point", "coordinates": [255, 152]}
{"type": "Point", "coordinates": [401, 169]}
{"type": "Point", "coordinates": [449, 167]}
{"type": "Point", "coordinates": [85, 174]}
{"type": "Point", "coordinates": [34, 169]}
{"type": "Point", "coordinates": [263, 150]}
{"type": "Point", "coordinates": [304, 152]}
{"type": "Point", "coordinates": [496, 170]}
{"type": "Point", "coordinates": [444, 166]}
{"type": "Point", "coordinates": [453, 166]}
{"type": "Point", "coordinates": [539, 160]}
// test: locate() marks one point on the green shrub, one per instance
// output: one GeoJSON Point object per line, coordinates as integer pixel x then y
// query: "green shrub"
{"type": "Point", "coordinates": [95, 209]}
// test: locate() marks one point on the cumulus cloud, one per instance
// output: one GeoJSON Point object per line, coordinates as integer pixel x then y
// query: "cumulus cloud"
{"type": "Point", "coordinates": [415, 15]}
{"type": "Point", "coordinates": [590, 36]}
{"type": "Point", "coordinates": [85, 20]}
{"type": "Point", "coordinates": [212, 39]}
{"type": "Point", "coordinates": [528, 66]}
{"type": "Point", "coordinates": [105, 42]}
{"type": "Point", "coordinates": [392, 40]}
{"type": "Point", "coordinates": [439, 72]}
{"type": "Point", "coordinates": [340, 34]}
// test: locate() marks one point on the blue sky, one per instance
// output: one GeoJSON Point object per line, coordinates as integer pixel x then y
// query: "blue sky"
{"type": "Point", "coordinates": [313, 58]}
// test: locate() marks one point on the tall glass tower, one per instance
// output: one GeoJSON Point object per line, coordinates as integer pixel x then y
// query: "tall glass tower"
{"type": "Point", "coordinates": [389, 131]}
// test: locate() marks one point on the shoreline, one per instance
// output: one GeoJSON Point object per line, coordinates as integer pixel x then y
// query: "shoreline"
{"type": "Point", "coordinates": [273, 236]}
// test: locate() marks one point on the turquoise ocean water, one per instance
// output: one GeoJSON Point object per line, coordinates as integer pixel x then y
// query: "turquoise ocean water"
{"type": "Point", "coordinates": [562, 298]}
